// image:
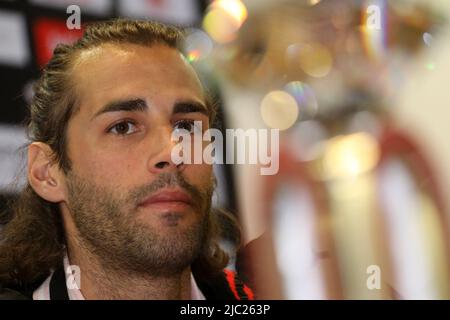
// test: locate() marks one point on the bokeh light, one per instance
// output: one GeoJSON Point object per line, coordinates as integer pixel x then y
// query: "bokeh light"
{"type": "Point", "coordinates": [350, 155]}
{"type": "Point", "coordinates": [197, 45]}
{"type": "Point", "coordinates": [279, 110]}
{"type": "Point", "coordinates": [313, 2]}
{"type": "Point", "coordinates": [430, 66]}
{"type": "Point", "coordinates": [315, 60]}
{"type": "Point", "coordinates": [223, 19]}
{"type": "Point", "coordinates": [304, 96]}
{"type": "Point", "coordinates": [373, 29]}
{"type": "Point", "coordinates": [427, 39]}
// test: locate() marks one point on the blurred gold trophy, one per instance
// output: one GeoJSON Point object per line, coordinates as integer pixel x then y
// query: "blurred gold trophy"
{"type": "Point", "coordinates": [328, 70]}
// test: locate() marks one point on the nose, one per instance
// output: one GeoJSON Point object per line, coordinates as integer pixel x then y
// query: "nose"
{"type": "Point", "coordinates": [160, 159]}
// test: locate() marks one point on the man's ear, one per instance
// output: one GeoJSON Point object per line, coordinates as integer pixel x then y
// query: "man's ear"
{"type": "Point", "coordinates": [44, 175]}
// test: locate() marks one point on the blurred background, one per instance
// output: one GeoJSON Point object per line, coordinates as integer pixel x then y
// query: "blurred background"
{"type": "Point", "coordinates": [359, 92]}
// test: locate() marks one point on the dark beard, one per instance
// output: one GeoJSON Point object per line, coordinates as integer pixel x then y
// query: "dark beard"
{"type": "Point", "coordinates": [109, 229]}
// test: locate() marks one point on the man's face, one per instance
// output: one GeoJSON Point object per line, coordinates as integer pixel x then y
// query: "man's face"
{"type": "Point", "coordinates": [129, 202]}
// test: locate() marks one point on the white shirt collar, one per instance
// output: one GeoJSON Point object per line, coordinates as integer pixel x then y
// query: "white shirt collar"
{"type": "Point", "coordinates": [73, 290]}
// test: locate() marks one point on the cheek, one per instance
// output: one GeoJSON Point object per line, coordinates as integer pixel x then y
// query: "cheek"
{"type": "Point", "coordinates": [100, 159]}
{"type": "Point", "coordinates": [199, 174]}
{"type": "Point", "coordinates": [106, 166]}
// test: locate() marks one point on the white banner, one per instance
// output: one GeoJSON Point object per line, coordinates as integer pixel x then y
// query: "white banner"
{"type": "Point", "coordinates": [13, 39]}
{"type": "Point", "coordinates": [180, 12]}
{"type": "Point", "coordinates": [98, 7]}
{"type": "Point", "coordinates": [12, 159]}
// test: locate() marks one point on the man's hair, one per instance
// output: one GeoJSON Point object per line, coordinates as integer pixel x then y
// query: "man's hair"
{"type": "Point", "coordinates": [33, 241]}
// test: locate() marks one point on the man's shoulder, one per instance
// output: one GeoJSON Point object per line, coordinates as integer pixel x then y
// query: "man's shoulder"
{"type": "Point", "coordinates": [10, 294]}
{"type": "Point", "coordinates": [9, 291]}
{"type": "Point", "coordinates": [226, 285]}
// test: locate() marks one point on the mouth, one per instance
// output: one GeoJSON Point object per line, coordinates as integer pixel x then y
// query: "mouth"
{"type": "Point", "coordinates": [170, 199]}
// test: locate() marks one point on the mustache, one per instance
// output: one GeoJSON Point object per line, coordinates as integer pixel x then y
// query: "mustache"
{"type": "Point", "coordinates": [166, 180]}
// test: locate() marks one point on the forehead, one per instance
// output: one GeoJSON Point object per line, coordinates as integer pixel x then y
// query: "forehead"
{"type": "Point", "coordinates": [119, 71]}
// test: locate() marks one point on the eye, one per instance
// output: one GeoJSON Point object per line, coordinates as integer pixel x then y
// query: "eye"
{"type": "Point", "coordinates": [189, 125]}
{"type": "Point", "coordinates": [123, 128]}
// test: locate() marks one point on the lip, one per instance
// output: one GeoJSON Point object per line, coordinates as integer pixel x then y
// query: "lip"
{"type": "Point", "coordinates": [168, 198]}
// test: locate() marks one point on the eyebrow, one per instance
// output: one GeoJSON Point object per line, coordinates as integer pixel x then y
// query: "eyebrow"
{"type": "Point", "coordinates": [189, 107]}
{"type": "Point", "coordinates": [140, 105]}
{"type": "Point", "coordinates": [123, 105]}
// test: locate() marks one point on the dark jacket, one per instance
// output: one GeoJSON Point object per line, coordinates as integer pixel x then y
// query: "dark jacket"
{"type": "Point", "coordinates": [224, 286]}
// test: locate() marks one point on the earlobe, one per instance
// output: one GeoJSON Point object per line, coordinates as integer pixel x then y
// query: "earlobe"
{"type": "Point", "coordinates": [43, 173]}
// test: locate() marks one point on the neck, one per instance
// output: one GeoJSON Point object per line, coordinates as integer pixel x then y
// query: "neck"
{"type": "Point", "coordinates": [99, 282]}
